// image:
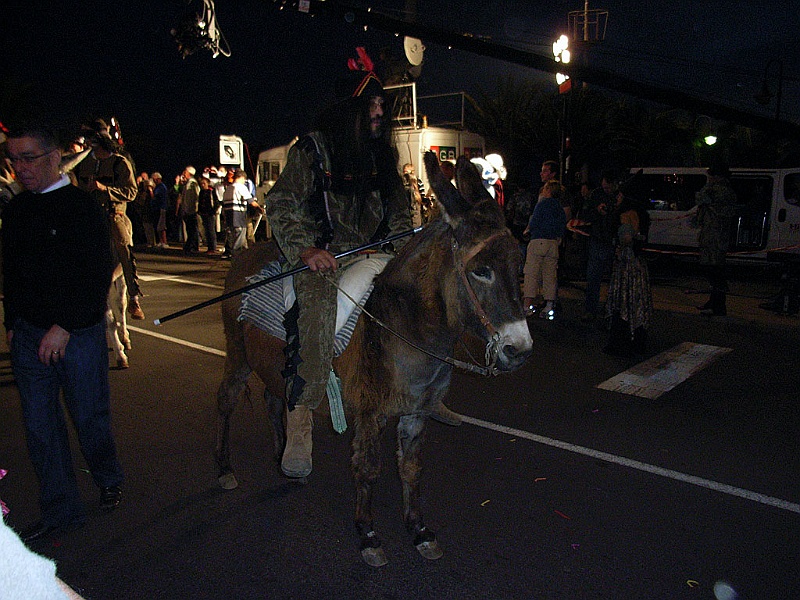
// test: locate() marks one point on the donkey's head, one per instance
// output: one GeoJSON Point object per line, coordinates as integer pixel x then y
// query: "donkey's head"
{"type": "Point", "coordinates": [486, 260]}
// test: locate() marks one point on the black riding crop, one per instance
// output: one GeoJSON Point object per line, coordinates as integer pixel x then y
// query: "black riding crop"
{"type": "Point", "coordinates": [256, 284]}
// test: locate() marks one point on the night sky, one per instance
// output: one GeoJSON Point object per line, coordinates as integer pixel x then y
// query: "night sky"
{"type": "Point", "coordinates": [88, 58]}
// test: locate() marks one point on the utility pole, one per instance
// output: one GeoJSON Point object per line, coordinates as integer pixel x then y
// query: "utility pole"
{"type": "Point", "coordinates": [586, 27]}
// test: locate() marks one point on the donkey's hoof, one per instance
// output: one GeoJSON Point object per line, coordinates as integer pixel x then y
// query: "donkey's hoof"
{"type": "Point", "coordinates": [374, 557]}
{"type": "Point", "coordinates": [122, 363]}
{"type": "Point", "coordinates": [227, 481]}
{"type": "Point", "coordinates": [430, 550]}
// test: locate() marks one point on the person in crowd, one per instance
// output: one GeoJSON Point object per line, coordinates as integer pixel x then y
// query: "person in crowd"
{"type": "Point", "coordinates": [716, 204]}
{"type": "Point", "coordinates": [548, 172]}
{"type": "Point", "coordinates": [175, 228]}
{"type": "Point", "coordinates": [630, 300]}
{"type": "Point", "coordinates": [144, 200]}
{"type": "Point", "coordinates": [349, 167]}
{"type": "Point", "coordinates": [108, 177]}
{"type": "Point", "coordinates": [600, 213]}
{"type": "Point", "coordinates": [136, 210]}
{"type": "Point", "coordinates": [545, 228]}
{"type": "Point", "coordinates": [414, 193]}
{"type": "Point", "coordinates": [187, 206]}
{"type": "Point", "coordinates": [219, 190]}
{"type": "Point", "coordinates": [158, 210]}
{"type": "Point", "coordinates": [235, 201]}
{"type": "Point", "coordinates": [254, 216]}
{"type": "Point", "coordinates": [572, 254]}
{"type": "Point", "coordinates": [57, 272]}
{"type": "Point", "coordinates": [518, 211]}
{"type": "Point", "coordinates": [207, 209]}
{"type": "Point", "coordinates": [498, 188]}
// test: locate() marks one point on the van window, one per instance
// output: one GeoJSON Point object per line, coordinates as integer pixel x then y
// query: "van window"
{"type": "Point", "coordinates": [753, 201]}
{"type": "Point", "coordinates": [671, 191]}
{"type": "Point", "coordinates": [269, 171]}
{"type": "Point", "coordinates": [274, 170]}
{"type": "Point", "coordinates": [791, 189]}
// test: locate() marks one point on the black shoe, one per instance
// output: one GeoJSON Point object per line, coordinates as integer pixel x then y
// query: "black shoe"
{"type": "Point", "coordinates": [40, 531]}
{"type": "Point", "coordinates": [110, 497]}
{"type": "Point", "coordinates": [37, 531]}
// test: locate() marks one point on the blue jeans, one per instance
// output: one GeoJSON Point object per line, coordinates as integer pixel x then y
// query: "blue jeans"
{"type": "Point", "coordinates": [82, 373]}
{"type": "Point", "coordinates": [599, 258]}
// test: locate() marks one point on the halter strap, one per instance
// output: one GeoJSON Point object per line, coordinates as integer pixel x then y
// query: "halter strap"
{"type": "Point", "coordinates": [460, 262]}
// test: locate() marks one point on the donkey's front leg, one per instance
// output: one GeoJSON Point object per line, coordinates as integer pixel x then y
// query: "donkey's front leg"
{"type": "Point", "coordinates": [366, 463]}
{"type": "Point", "coordinates": [409, 442]}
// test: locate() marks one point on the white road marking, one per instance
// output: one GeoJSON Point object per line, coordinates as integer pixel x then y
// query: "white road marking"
{"type": "Point", "coordinates": [178, 280]}
{"type": "Point", "coordinates": [178, 341]}
{"type": "Point", "coordinates": [539, 439]}
{"type": "Point", "coordinates": [639, 466]}
{"type": "Point", "coordinates": [659, 374]}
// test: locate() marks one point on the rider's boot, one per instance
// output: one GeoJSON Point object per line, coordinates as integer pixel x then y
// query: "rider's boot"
{"type": "Point", "coordinates": [296, 460]}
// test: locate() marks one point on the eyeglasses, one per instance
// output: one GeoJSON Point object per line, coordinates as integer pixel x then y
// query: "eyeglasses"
{"type": "Point", "coordinates": [28, 159]}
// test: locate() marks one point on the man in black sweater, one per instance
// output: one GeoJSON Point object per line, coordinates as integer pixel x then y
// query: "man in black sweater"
{"type": "Point", "coordinates": [57, 271]}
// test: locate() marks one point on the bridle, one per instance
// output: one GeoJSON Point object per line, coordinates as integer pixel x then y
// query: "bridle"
{"type": "Point", "coordinates": [460, 259]}
{"type": "Point", "coordinates": [492, 346]}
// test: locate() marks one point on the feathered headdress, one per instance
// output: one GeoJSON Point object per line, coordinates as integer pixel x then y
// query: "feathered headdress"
{"type": "Point", "coordinates": [362, 80]}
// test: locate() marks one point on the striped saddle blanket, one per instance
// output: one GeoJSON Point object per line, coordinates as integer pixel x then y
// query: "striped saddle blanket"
{"type": "Point", "coordinates": [266, 305]}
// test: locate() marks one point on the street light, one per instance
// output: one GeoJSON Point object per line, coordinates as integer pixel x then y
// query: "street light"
{"type": "Point", "coordinates": [561, 54]}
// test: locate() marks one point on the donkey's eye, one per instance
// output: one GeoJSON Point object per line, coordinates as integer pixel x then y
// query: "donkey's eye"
{"type": "Point", "coordinates": [483, 274]}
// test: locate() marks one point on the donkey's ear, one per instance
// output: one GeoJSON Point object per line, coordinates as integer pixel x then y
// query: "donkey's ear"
{"type": "Point", "coordinates": [448, 196]}
{"type": "Point", "coordinates": [469, 181]}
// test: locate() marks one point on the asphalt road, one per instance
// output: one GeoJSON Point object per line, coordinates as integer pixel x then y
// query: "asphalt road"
{"type": "Point", "coordinates": [552, 488]}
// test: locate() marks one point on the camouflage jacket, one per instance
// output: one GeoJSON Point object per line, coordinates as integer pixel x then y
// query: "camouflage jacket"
{"type": "Point", "coordinates": [302, 216]}
{"type": "Point", "coordinates": [716, 204]}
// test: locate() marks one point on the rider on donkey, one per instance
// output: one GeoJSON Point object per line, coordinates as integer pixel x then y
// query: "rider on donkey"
{"type": "Point", "coordinates": [340, 189]}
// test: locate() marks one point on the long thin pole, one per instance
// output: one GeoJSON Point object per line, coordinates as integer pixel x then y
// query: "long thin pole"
{"type": "Point", "coordinates": [256, 284]}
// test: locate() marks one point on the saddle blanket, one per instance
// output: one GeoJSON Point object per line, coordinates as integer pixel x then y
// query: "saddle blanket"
{"type": "Point", "coordinates": [266, 305]}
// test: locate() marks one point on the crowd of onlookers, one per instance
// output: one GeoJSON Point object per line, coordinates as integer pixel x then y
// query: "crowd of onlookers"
{"type": "Point", "coordinates": [189, 211]}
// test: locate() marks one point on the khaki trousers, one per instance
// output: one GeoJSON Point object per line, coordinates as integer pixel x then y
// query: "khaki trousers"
{"type": "Point", "coordinates": [541, 264]}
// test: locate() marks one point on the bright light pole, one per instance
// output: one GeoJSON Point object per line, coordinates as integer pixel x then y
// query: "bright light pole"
{"type": "Point", "coordinates": [561, 54]}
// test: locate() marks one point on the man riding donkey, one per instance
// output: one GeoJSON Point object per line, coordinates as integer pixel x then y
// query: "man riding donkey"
{"type": "Point", "coordinates": [340, 189]}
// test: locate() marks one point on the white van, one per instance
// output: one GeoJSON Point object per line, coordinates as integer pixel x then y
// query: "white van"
{"type": "Point", "coordinates": [767, 216]}
{"type": "Point", "coordinates": [270, 164]}
{"type": "Point", "coordinates": [449, 144]}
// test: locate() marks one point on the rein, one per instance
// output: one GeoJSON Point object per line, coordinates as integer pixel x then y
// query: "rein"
{"type": "Point", "coordinates": [492, 346]}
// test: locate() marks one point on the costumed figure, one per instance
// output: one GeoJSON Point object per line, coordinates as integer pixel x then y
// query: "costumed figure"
{"type": "Point", "coordinates": [340, 189]}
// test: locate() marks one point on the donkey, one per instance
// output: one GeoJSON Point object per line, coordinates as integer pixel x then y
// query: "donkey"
{"type": "Point", "coordinates": [459, 274]}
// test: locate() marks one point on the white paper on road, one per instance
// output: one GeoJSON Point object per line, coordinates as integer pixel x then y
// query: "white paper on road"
{"type": "Point", "coordinates": [658, 375]}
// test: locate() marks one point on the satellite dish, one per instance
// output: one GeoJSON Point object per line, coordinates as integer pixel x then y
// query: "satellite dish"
{"type": "Point", "coordinates": [414, 50]}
